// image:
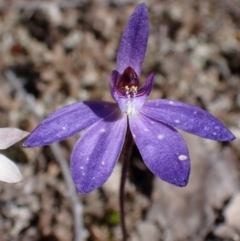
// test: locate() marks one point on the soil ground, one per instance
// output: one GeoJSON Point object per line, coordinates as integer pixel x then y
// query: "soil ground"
{"type": "Point", "coordinates": [54, 53]}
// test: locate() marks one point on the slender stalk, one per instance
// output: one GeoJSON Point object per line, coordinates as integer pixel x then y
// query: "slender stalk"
{"type": "Point", "coordinates": [125, 157]}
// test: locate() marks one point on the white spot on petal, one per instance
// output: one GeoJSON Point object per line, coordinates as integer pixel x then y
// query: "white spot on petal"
{"type": "Point", "coordinates": [64, 128]}
{"type": "Point", "coordinates": [171, 102]}
{"type": "Point", "coordinates": [182, 157]}
{"type": "Point", "coordinates": [149, 148]}
{"type": "Point", "coordinates": [195, 112]}
{"type": "Point", "coordinates": [160, 137]}
{"type": "Point", "coordinates": [103, 130]}
{"type": "Point", "coordinates": [152, 122]}
{"type": "Point", "coordinates": [103, 163]}
{"type": "Point", "coordinates": [81, 167]}
{"type": "Point", "coordinates": [177, 121]}
{"type": "Point", "coordinates": [214, 133]}
{"type": "Point", "coordinates": [145, 129]}
{"type": "Point", "coordinates": [133, 136]}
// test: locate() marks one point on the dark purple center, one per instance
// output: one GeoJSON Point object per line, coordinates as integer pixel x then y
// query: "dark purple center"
{"type": "Point", "coordinates": [127, 80]}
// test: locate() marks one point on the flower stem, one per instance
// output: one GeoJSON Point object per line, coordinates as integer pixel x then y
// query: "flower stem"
{"type": "Point", "coordinates": [125, 157]}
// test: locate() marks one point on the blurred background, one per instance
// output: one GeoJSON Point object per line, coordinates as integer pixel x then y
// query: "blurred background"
{"type": "Point", "coordinates": [54, 53]}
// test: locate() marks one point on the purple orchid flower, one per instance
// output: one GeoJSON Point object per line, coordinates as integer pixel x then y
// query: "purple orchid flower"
{"type": "Point", "coordinates": [152, 123]}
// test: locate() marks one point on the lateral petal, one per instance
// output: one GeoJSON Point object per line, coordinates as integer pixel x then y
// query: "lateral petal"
{"type": "Point", "coordinates": [10, 136]}
{"type": "Point", "coordinates": [69, 120]}
{"type": "Point", "coordinates": [96, 153]}
{"type": "Point", "coordinates": [188, 118]}
{"type": "Point", "coordinates": [113, 83]}
{"type": "Point", "coordinates": [162, 148]}
{"type": "Point", "coordinates": [147, 88]}
{"type": "Point", "coordinates": [133, 45]}
{"type": "Point", "coordinates": [9, 171]}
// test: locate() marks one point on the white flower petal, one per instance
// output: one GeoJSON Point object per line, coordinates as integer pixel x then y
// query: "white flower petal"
{"type": "Point", "coordinates": [9, 136]}
{"type": "Point", "coordinates": [9, 171]}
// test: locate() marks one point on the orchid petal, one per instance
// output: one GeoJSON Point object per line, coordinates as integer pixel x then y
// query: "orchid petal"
{"type": "Point", "coordinates": [69, 120]}
{"type": "Point", "coordinates": [10, 136]}
{"type": "Point", "coordinates": [187, 117]}
{"type": "Point", "coordinates": [9, 171]}
{"type": "Point", "coordinates": [133, 45]}
{"type": "Point", "coordinates": [113, 83]}
{"type": "Point", "coordinates": [147, 88]}
{"type": "Point", "coordinates": [162, 148]}
{"type": "Point", "coordinates": [96, 153]}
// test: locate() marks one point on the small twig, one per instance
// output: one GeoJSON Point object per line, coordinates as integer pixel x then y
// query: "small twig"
{"type": "Point", "coordinates": [76, 205]}
{"type": "Point", "coordinates": [35, 5]}
{"type": "Point", "coordinates": [125, 157]}
{"type": "Point", "coordinates": [56, 150]}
